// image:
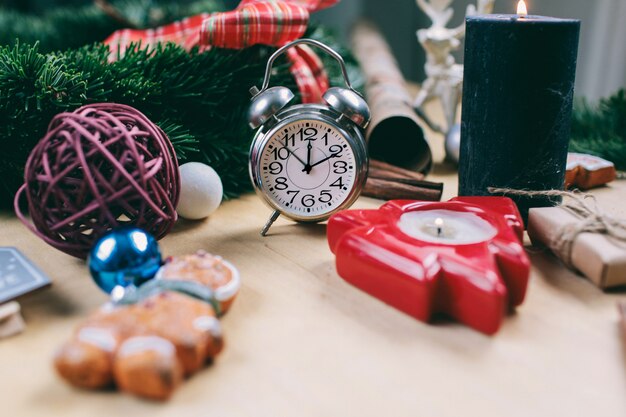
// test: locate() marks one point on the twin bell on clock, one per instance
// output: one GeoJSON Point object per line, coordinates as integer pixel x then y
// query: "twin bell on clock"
{"type": "Point", "coordinates": [308, 161]}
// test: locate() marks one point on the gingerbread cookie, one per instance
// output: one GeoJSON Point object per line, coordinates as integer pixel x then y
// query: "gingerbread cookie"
{"type": "Point", "coordinates": [206, 269]}
{"type": "Point", "coordinates": [148, 347]}
{"type": "Point", "coordinates": [586, 171]}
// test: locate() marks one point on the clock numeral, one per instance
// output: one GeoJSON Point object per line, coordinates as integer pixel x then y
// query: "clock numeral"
{"type": "Point", "coordinates": [275, 168]}
{"type": "Point", "coordinates": [325, 196]}
{"type": "Point", "coordinates": [325, 139]}
{"type": "Point", "coordinates": [281, 183]}
{"type": "Point", "coordinates": [291, 138]}
{"type": "Point", "coordinates": [280, 153]}
{"type": "Point", "coordinates": [308, 134]}
{"type": "Point", "coordinates": [295, 194]}
{"type": "Point", "coordinates": [336, 150]}
{"type": "Point", "coordinates": [308, 200]}
{"type": "Point", "coordinates": [340, 167]}
{"type": "Point", "coordinates": [338, 183]}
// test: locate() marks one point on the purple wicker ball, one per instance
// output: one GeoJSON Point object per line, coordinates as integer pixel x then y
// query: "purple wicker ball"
{"type": "Point", "coordinates": [104, 165]}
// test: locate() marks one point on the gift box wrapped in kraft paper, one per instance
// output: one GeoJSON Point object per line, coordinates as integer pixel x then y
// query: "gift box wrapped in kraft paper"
{"type": "Point", "coordinates": [598, 243]}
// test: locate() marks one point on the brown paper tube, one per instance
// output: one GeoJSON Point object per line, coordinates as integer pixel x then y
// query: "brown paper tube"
{"type": "Point", "coordinates": [394, 134]}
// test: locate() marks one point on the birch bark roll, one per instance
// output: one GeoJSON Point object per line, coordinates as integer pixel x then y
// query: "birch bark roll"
{"type": "Point", "coordinates": [394, 134]}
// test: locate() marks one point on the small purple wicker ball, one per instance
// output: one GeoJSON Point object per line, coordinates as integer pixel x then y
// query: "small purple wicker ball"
{"type": "Point", "coordinates": [104, 165]}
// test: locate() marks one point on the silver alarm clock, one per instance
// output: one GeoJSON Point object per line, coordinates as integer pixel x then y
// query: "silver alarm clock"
{"type": "Point", "coordinates": [308, 161]}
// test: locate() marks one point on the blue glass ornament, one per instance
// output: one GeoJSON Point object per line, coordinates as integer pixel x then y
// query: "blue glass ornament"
{"type": "Point", "coordinates": [124, 257]}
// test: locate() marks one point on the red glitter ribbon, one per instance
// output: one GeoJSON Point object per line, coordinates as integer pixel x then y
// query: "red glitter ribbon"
{"type": "Point", "coordinates": [253, 22]}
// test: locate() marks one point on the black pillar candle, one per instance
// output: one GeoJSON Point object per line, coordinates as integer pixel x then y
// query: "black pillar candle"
{"type": "Point", "coordinates": [517, 104]}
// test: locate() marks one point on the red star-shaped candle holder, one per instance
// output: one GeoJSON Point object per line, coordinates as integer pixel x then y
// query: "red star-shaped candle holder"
{"type": "Point", "coordinates": [463, 258]}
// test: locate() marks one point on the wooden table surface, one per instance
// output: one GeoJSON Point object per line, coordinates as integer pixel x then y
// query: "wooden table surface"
{"type": "Point", "coordinates": [302, 342]}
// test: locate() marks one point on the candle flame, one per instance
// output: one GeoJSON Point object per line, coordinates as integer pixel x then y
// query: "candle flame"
{"type": "Point", "coordinates": [522, 10]}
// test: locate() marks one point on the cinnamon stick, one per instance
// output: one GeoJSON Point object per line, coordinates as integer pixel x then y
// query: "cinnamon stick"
{"type": "Point", "coordinates": [398, 189]}
{"type": "Point", "coordinates": [379, 169]}
{"type": "Point", "coordinates": [389, 182]}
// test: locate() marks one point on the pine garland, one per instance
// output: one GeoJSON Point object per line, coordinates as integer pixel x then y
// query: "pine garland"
{"type": "Point", "coordinates": [199, 99]}
{"type": "Point", "coordinates": [74, 25]}
{"type": "Point", "coordinates": [601, 129]}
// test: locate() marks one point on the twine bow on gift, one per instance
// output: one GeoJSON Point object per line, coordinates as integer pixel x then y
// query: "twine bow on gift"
{"type": "Point", "coordinates": [594, 220]}
{"type": "Point", "coordinates": [253, 22]}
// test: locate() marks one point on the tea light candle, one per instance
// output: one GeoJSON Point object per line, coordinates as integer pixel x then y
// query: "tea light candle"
{"type": "Point", "coordinates": [446, 227]}
{"type": "Point", "coordinates": [463, 257]}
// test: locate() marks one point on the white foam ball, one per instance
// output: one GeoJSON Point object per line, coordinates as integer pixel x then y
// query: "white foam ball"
{"type": "Point", "coordinates": [201, 191]}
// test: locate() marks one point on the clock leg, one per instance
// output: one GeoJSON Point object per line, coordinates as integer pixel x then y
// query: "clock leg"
{"type": "Point", "coordinates": [269, 223]}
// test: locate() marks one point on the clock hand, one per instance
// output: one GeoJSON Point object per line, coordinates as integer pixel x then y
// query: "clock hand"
{"type": "Point", "coordinates": [296, 156]}
{"type": "Point", "coordinates": [308, 166]}
{"type": "Point", "coordinates": [332, 155]}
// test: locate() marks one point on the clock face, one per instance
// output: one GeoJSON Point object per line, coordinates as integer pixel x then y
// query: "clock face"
{"type": "Point", "coordinates": [307, 168]}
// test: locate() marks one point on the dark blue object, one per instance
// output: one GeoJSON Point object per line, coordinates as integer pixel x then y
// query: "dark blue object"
{"type": "Point", "coordinates": [517, 105]}
{"type": "Point", "coordinates": [125, 256]}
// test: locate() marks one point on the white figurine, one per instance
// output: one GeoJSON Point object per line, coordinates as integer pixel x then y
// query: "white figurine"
{"type": "Point", "coordinates": [444, 75]}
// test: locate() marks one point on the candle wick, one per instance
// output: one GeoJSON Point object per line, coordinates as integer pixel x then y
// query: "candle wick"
{"type": "Point", "coordinates": [439, 226]}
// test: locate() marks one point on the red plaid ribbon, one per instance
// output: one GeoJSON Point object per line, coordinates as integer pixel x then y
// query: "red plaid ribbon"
{"type": "Point", "coordinates": [253, 22]}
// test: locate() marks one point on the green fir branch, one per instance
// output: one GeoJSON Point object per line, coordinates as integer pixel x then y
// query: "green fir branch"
{"type": "Point", "coordinates": [199, 99]}
{"type": "Point", "coordinates": [82, 22]}
{"type": "Point", "coordinates": [601, 129]}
